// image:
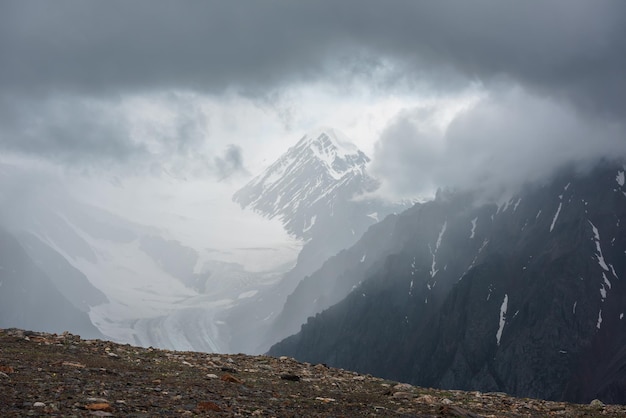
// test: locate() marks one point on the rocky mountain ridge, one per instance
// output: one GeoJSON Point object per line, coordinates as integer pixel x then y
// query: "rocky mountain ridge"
{"type": "Point", "coordinates": [63, 375]}
{"type": "Point", "coordinates": [525, 297]}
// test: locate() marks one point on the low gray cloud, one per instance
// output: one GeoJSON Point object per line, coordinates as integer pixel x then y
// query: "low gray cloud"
{"type": "Point", "coordinates": [91, 135]}
{"type": "Point", "coordinates": [67, 130]}
{"type": "Point", "coordinates": [507, 140]}
{"type": "Point", "coordinates": [568, 56]}
{"type": "Point", "coordinates": [230, 163]}
{"type": "Point", "coordinates": [572, 49]}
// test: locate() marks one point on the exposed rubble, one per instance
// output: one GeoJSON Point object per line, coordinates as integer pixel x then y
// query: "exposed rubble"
{"type": "Point", "coordinates": [63, 375]}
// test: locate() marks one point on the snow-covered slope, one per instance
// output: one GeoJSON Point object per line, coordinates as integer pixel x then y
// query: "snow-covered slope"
{"type": "Point", "coordinates": [151, 302]}
{"type": "Point", "coordinates": [137, 284]}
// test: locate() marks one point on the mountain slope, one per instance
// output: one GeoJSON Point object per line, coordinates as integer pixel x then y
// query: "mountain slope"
{"type": "Point", "coordinates": [69, 281]}
{"type": "Point", "coordinates": [526, 298]}
{"type": "Point", "coordinates": [337, 277]}
{"type": "Point", "coordinates": [29, 299]}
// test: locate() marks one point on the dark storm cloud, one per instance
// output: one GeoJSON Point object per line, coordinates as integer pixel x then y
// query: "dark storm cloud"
{"type": "Point", "coordinates": [571, 49]}
{"type": "Point", "coordinates": [572, 53]}
{"type": "Point", "coordinates": [119, 45]}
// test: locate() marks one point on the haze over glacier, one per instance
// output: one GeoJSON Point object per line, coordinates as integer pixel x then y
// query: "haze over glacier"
{"type": "Point", "coordinates": [161, 288]}
{"type": "Point", "coordinates": [169, 285]}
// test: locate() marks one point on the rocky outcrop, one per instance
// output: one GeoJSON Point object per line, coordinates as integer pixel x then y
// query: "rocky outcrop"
{"type": "Point", "coordinates": [63, 375]}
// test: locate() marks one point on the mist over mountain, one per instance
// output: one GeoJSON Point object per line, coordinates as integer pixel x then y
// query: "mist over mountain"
{"type": "Point", "coordinates": [139, 284]}
{"type": "Point", "coordinates": [525, 298]}
{"type": "Point", "coordinates": [317, 190]}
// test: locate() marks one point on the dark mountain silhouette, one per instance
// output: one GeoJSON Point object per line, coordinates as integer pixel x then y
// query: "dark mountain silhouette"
{"type": "Point", "coordinates": [527, 297]}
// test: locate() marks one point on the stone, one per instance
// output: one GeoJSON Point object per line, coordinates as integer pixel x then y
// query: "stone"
{"type": "Point", "coordinates": [403, 387]}
{"type": "Point", "coordinates": [7, 369]}
{"type": "Point", "coordinates": [325, 400]}
{"type": "Point", "coordinates": [39, 405]}
{"type": "Point", "coordinates": [100, 406]}
{"type": "Point", "coordinates": [403, 395]}
{"type": "Point", "coordinates": [97, 400]}
{"type": "Point", "coordinates": [101, 413]}
{"type": "Point", "coordinates": [230, 378]}
{"type": "Point", "coordinates": [208, 406]}
{"type": "Point", "coordinates": [427, 399]}
{"type": "Point", "coordinates": [73, 364]}
{"type": "Point", "coordinates": [455, 411]}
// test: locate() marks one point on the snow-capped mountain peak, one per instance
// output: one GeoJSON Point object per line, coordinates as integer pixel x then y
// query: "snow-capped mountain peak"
{"type": "Point", "coordinates": [331, 139]}
{"type": "Point", "coordinates": [334, 151]}
{"type": "Point", "coordinates": [319, 168]}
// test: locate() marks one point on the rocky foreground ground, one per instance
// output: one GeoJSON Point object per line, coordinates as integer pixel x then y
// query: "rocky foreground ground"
{"type": "Point", "coordinates": [62, 375]}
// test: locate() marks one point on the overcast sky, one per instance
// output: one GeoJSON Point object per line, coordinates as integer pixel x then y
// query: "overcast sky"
{"type": "Point", "coordinates": [439, 93]}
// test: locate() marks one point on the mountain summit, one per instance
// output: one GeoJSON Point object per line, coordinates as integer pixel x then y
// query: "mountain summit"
{"type": "Point", "coordinates": [305, 182]}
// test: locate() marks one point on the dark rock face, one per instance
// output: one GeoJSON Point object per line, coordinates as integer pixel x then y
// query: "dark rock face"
{"type": "Point", "coordinates": [526, 298]}
{"type": "Point", "coordinates": [29, 298]}
{"type": "Point", "coordinates": [69, 281]}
